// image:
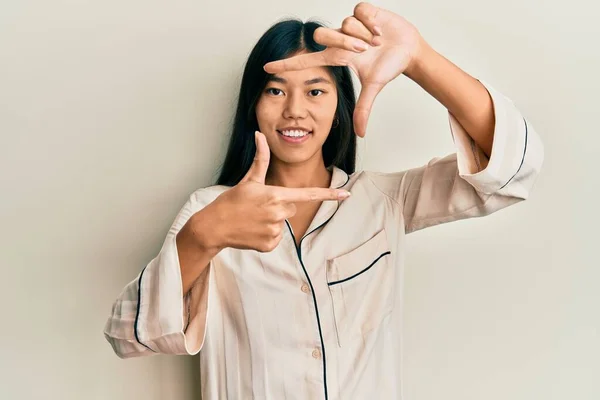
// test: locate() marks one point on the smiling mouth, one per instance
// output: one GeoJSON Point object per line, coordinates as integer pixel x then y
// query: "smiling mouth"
{"type": "Point", "coordinates": [295, 136]}
{"type": "Point", "coordinates": [296, 140]}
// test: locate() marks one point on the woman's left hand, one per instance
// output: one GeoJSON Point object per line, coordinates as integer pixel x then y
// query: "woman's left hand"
{"type": "Point", "coordinates": [395, 45]}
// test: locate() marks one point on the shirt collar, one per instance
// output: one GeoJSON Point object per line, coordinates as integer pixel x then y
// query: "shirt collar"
{"type": "Point", "coordinates": [339, 177]}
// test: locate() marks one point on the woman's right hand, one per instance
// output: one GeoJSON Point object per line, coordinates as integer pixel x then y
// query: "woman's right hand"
{"type": "Point", "coordinates": [252, 215]}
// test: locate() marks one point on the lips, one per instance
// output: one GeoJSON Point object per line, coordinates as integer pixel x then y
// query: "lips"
{"type": "Point", "coordinates": [295, 128]}
{"type": "Point", "coordinates": [280, 131]}
{"type": "Point", "coordinates": [294, 139]}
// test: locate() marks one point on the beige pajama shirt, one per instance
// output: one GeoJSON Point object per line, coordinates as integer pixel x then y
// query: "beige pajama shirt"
{"type": "Point", "coordinates": [321, 320]}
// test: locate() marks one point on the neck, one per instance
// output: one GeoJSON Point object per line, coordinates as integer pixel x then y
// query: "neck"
{"type": "Point", "coordinates": [311, 173]}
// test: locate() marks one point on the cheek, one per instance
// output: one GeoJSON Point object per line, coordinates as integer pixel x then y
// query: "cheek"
{"type": "Point", "coordinates": [266, 115]}
{"type": "Point", "coordinates": [329, 107]}
{"type": "Point", "coordinates": [326, 114]}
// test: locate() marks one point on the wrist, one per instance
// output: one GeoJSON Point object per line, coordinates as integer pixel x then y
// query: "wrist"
{"type": "Point", "coordinates": [206, 232]}
{"type": "Point", "coordinates": [423, 58]}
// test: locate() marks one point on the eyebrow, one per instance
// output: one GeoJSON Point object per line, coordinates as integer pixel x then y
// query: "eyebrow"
{"type": "Point", "coordinates": [318, 79]}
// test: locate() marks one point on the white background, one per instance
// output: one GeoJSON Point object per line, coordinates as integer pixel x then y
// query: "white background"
{"type": "Point", "coordinates": [113, 112]}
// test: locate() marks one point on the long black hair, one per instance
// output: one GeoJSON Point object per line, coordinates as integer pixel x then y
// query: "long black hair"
{"type": "Point", "coordinates": [282, 40]}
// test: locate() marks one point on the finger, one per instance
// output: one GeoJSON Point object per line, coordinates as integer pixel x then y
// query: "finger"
{"type": "Point", "coordinates": [353, 27]}
{"type": "Point", "coordinates": [290, 210]}
{"type": "Point", "coordinates": [296, 195]}
{"type": "Point", "coordinates": [258, 169]}
{"type": "Point", "coordinates": [336, 38]}
{"type": "Point", "coordinates": [299, 62]}
{"type": "Point", "coordinates": [367, 14]}
{"type": "Point", "coordinates": [363, 107]}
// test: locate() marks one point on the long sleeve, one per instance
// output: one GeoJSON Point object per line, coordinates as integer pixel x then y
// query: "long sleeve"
{"type": "Point", "coordinates": [151, 315]}
{"type": "Point", "coordinates": [467, 184]}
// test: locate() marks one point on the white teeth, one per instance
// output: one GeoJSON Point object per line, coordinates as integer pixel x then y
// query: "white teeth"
{"type": "Point", "coordinates": [294, 133]}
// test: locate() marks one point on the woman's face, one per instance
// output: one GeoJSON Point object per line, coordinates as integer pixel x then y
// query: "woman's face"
{"type": "Point", "coordinates": [305, 99]}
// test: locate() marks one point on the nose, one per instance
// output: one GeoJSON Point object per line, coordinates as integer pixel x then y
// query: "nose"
{"type": "Point", "coordinates": [295, 106]}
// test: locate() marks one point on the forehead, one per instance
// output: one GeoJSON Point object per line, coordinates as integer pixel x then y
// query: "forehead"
{"type": "Point", "coordinates": [303, 76]}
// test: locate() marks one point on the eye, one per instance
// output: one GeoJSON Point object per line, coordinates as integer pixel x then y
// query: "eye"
{"type": "Point", "coordinates": [269, 90]}
{"type": "Point", "coordinates": [277, 92]}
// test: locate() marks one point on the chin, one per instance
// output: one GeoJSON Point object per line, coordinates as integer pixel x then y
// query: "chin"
{"type": "Point", "coordinates": [290, 157]}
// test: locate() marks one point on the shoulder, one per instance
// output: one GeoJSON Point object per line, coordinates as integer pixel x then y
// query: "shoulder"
{"type": "Point", "coordinates": [388, 184]}
{"type": "Point", "coordinates": [377, 178]}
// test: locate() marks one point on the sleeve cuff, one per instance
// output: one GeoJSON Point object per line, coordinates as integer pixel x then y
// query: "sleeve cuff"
{"type": "Point", "coordinates": [516, 150]}
{"type": "Point", "coordinates": [163, 323]}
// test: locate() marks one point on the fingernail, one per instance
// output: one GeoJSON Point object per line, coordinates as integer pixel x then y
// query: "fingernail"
{"type": "Point", "coordinates": [343, 195]}
{"type": "Point", "coordinates": [377, 30]}
{"type": "Point", "coordinates": [361, 46]}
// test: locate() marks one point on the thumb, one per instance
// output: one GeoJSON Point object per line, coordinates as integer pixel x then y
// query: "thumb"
{"type": "Point", "coordinates": [363, 107]}
{"type": "Point", "coordinates": [258, 169]}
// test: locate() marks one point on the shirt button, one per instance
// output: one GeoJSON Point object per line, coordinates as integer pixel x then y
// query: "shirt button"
{"type": "Point", "coordinates": [316, 353]}
{"type": "Point", "coordinates": [305, 288]}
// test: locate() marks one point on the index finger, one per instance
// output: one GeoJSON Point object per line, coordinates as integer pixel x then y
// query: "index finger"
{"type": "Point", "coordinates": [299, 62]}
{"type": "Point", "coordinates": [295, 195]}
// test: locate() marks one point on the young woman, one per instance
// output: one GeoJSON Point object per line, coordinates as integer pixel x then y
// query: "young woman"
{"type": "Point", "coordinates": [286, 275]}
